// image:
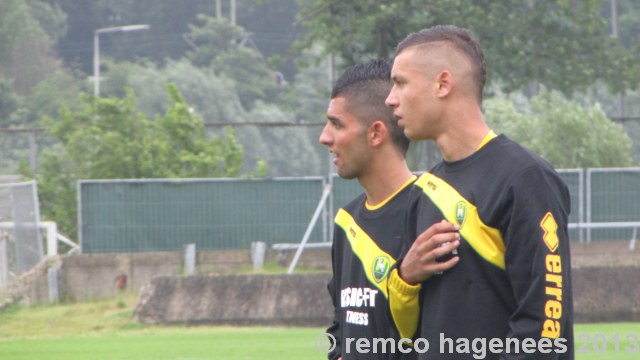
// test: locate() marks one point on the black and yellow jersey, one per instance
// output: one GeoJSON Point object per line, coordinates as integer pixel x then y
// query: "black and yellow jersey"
{"type": "Point", "coordinates": [513, 279]}
{"type": "Point", "coordinates": [366, 244]}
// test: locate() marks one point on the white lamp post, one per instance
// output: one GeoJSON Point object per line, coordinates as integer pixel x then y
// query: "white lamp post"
{"type": "Point", "coordinates": [96, 49]}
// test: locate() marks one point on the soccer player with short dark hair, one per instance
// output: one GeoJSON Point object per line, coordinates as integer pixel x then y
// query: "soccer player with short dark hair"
{"type": "Point", "coordinates": [367, 145]}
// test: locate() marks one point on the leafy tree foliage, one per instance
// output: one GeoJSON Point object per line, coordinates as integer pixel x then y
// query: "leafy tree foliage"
{"type": "Point", "coordinates": [563, 45]}
{"type": "Point", "coordinates": [9, 101]}
{"type": "Point", "coordinates": [269, 21]}
{"type": "Point", "coordinates": [559, 44]}
{"type": "Point", "coordinates": [108, 138]}
{"type": "Point", "coordinates": [356, 30]}
{"type": "Point", "coordinates": [563, 132]}
{"type": "Point", "coordinates": [253, 80]}
{"type": "Point", "coordinates": [212, 97]}
{"type": "Point", "coordinates": [288, 151]}
{"type": "Point", "coordinates": [27, 33]}
{"type": "Point", "coordinates": [212, 38]}
{"type": "Point", "coordinates": [219, 47]}
{"type": "Point", "coordinates": [628, 13]}
{"type": "Point", "coordinates": [308, 96]}
{"type": "Point", "coordinates": [46, 96]}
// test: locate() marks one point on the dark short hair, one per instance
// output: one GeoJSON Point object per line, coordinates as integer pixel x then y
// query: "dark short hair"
{"type": "Point", "coordinates": [365, 87]}
{"type": "Point", "coordinates": [460, 39]}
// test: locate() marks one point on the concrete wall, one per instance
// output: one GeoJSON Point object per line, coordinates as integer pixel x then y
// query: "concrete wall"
{"type": "Point", "coordinates": [94, 276]}
{"type": "Point", "coordinates": [606, 294]}
{"type": "Point", "coordinates": [605, 284]}
{"type": "Point", "coordinates": [32, 287]}
{"type": "Point", "coordinates": [300, 300]}
{"type": "Point", "coordinates": [601, 294]}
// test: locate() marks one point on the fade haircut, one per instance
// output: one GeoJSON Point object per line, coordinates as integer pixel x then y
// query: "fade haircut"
{"type": "Point", "coordinates": [365, 87]}
{"type": "Point", "coordinates": [456, 38]}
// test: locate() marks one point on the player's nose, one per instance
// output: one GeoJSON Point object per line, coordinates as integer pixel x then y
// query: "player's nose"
{"type": "Point", "coordinates": [392, 99]}
{"type": "Point", "coordinates": [325, 135]}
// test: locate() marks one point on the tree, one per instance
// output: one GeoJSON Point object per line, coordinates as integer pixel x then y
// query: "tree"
{"type": "Point", "coordinates": [212, 38]}
{"type": "Point", "coordinates": [563, 45]}
{"type": "Point", "coordinates": [562, 131]}
{"type": "Point", "coordinates": [270, 24]}
{"type": "Point", "coordinates": [269, 21]}
{"type": "Point", "coordinates": [210, 96]}
{"type": "Point", "coordinates": [215, 100]}
{"type": "Point", "coordinates": [219, 47]}
{"type": "Point", "coordinates": [9, 101]}
{"type": "Point", "coordinates": [628, 12]}
{"type": "Point", "coordinates": [46, 96]}
{"type": "Point", "coordinates": [308, 95]}
{"type": "Point", "coordinates": [108, 138]}
{"type": "Point", "coordinates": [27, 33]}
{"type": "Point", "coordinates": [290, 150]}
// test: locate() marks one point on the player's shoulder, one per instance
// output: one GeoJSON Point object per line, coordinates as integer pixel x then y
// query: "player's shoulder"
{"type": "Point", "coordinates": [353, 206]}
{"type": "Point", "coordinates": [524, 166]}
{"type": "Point", "coordinates": [516, 157]}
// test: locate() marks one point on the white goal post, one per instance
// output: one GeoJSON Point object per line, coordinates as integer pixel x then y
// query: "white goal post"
{"type": "Point", "coordinates": [52, 236]}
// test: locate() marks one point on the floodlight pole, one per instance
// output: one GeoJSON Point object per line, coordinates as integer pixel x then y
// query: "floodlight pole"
{"type": "Point", "coordinates": [96, 49]}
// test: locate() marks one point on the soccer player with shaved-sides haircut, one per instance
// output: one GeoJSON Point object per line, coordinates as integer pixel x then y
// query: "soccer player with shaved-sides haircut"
{"type": "Point", "coordinates": [488, 263]}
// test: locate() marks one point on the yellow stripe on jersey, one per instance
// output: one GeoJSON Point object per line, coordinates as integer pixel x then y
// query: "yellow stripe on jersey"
{"type": "Point", "coordinates": [485, 240]}
{"type": "Point", "coordinates": [376, 263]}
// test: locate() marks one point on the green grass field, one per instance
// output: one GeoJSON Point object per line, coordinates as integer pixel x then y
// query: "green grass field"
{"type": "Point", "coordinates": [106, 330]}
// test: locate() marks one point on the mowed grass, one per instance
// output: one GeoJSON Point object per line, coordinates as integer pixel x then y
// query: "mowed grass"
{"type": "Point", "coordinates": [106, 330]}
{"type": "Point", "coordinates": [171, 343]}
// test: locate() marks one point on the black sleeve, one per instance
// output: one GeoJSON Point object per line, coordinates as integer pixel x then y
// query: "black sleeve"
{"type": "Point", "coordinates": [537, 261]}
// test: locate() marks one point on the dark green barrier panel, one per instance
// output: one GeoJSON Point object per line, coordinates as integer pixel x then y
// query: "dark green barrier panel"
{"type": "Point", "coordinates": [574, 181]}
{"type": "Point", "coordinates": [614, 196]}
{"type": "Point", "coordinates": [139, 215]}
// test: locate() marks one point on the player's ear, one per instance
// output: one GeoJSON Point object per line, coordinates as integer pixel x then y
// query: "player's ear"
{"type": "Point", "coordinates": [444, 83]}
{"type": "Point", "coordinates": [377, 133]}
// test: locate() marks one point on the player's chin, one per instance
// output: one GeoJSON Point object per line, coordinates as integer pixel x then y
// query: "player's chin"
{"type": "Point", "coordinates": [415, 133]}
{"type": "Point", "coordinates": [412, 133]}
{"type": "Point", "coordinates": [346, 174]}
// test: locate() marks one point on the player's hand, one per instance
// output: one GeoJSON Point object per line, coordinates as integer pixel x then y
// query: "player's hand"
{"type": "Point", "coordinates": [420, 262]}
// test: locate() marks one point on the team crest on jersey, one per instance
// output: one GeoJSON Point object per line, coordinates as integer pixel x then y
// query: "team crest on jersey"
{"type": "Point", "coordinates": [380, 268]}
{"type": "Point", "coordinates": [461, 212]}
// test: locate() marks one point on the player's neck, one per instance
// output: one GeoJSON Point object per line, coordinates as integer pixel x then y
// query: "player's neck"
{"type": "Point", "coordinates": [385, 180]}
{"type": "Point", "coordinates": [463, 137]}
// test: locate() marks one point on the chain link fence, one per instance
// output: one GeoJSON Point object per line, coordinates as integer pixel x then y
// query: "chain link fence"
{"type": "Point", "coordinates": [21, 243]}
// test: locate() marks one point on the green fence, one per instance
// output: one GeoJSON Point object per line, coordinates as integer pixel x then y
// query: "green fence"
{"type": "Point", "coordinates": [574, 178]}
{"type": "Point", "coordinates": [164, 215]}
{"type": "Point", "coordinates": [613, 195]}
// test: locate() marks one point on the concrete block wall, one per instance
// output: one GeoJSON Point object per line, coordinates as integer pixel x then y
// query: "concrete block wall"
{"type": "Point", "coordinates": [601, 294]}
{"type": "Point", "coordinates": [605, 286]}
{"type": "Point", "coordinates": [94, 276]}
{"type": "Point", "coordinates": [293, 300]}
